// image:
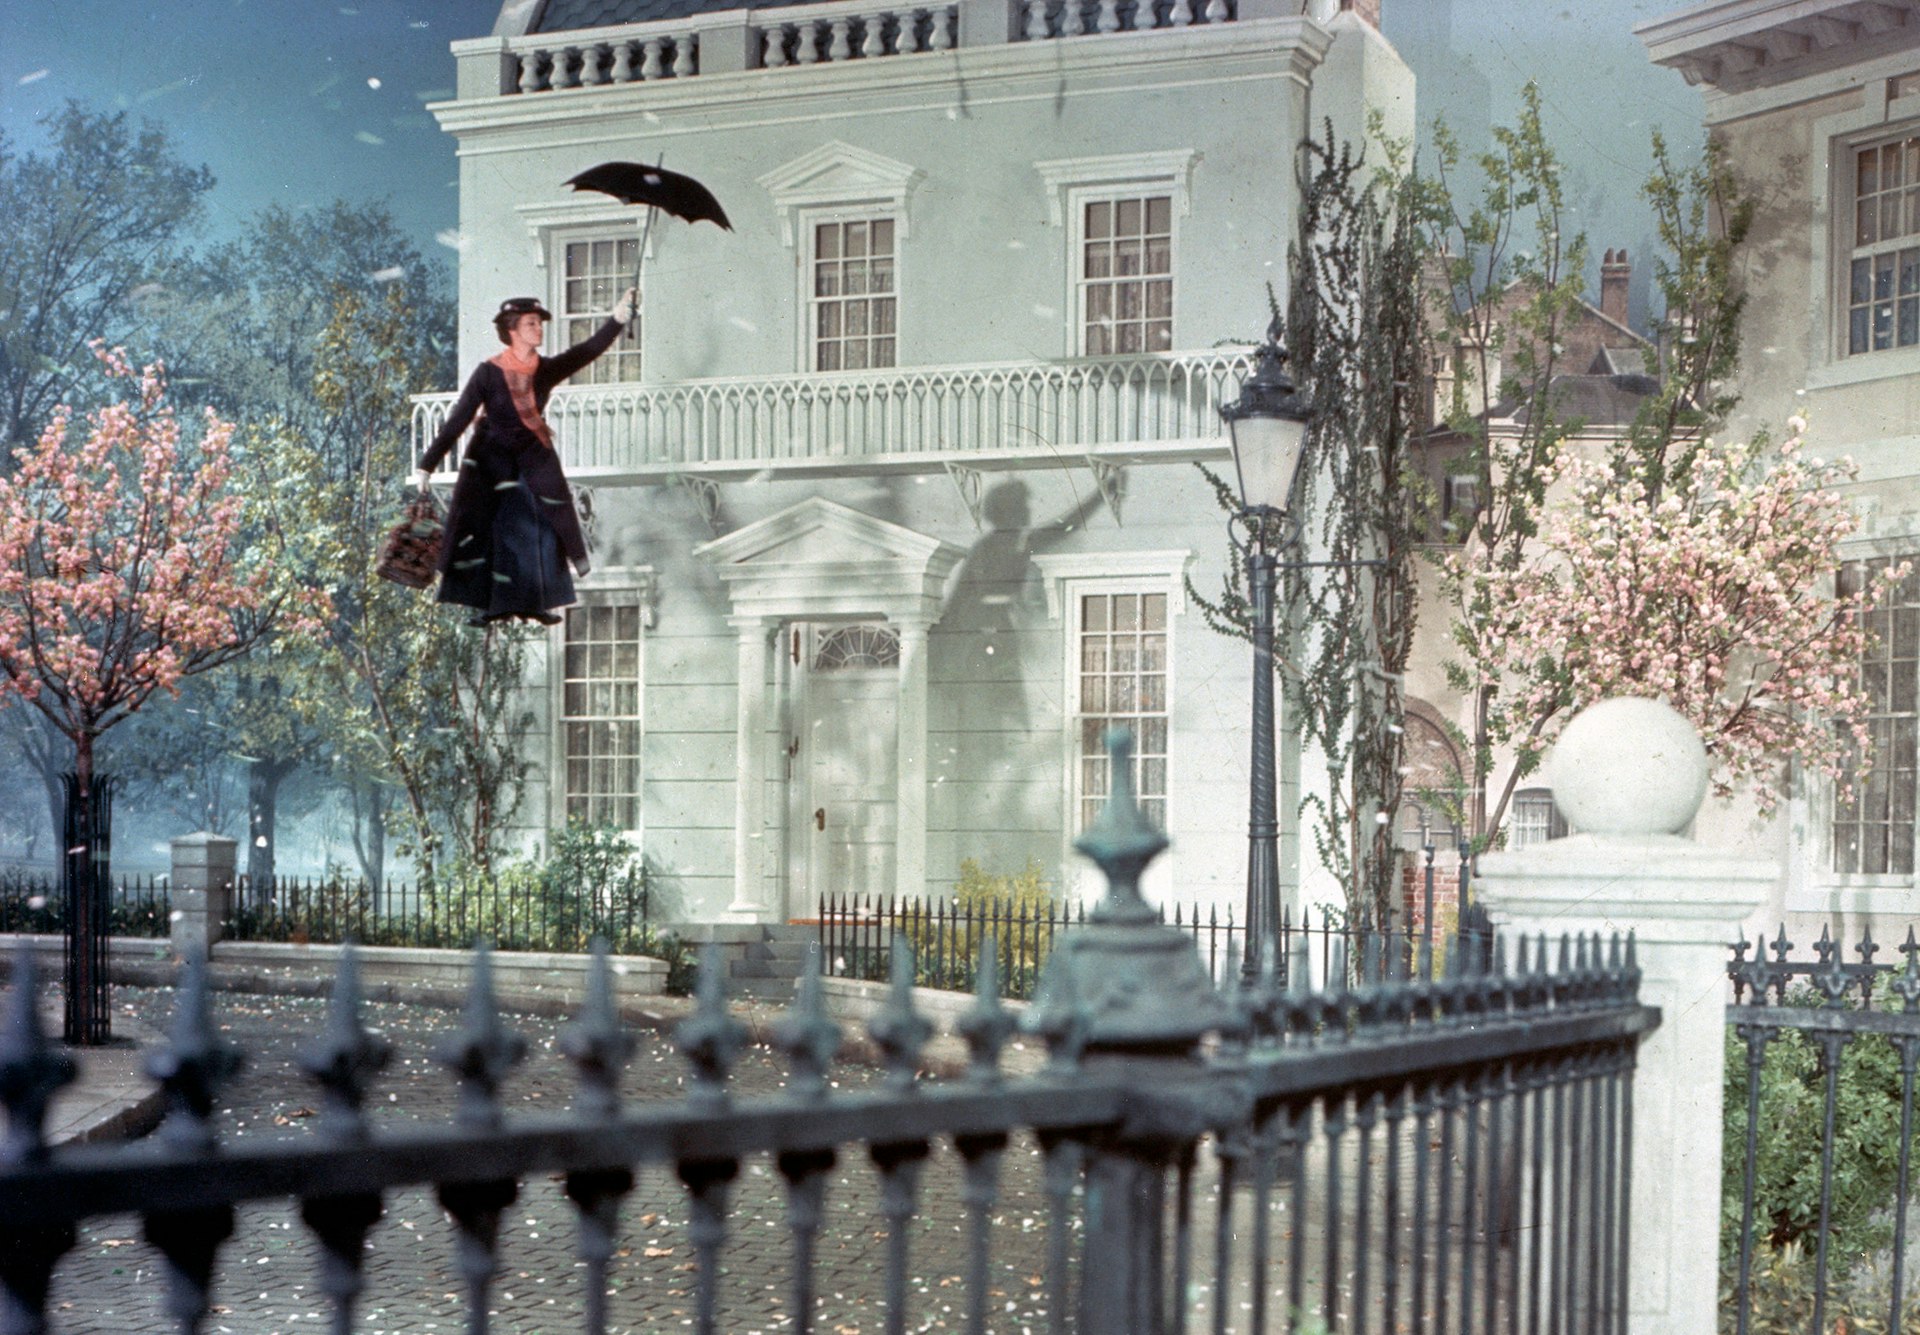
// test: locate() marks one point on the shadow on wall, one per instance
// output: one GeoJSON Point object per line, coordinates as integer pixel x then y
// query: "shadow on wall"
{"type": "Point", "coordinates": [1009, 760]}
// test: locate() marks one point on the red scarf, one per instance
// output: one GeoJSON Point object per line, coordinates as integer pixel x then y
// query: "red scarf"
{"type": "Point", "coordinates": [519, 376]}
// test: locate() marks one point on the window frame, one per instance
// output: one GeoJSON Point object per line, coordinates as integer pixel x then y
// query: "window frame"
{"type": "Point", "coordinates": [632, 586]}
{"type": "Point", "coordinates": [1888, 656]}
{"type": "Point", "coordinates": [1905, 245]}
{"type": "Point", "coordinates": [1079, 199]}
{"type": "Point", "coordinates": [811, 220]}
{"type": "Point", "coordinates": [1071, 183]}
{"type": "Point", "coordinates": [1876, 117]}
{"type": "Point", "coordinates": [632, 341]}
{"type": "Point", "coordinates": [1074, 714]}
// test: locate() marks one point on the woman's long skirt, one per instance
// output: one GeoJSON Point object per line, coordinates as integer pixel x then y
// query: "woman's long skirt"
{"type": "Point", "coordinates": [522, 571]}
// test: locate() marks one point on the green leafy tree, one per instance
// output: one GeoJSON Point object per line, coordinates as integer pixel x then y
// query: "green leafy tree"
{"type": "Point", "coordinates": [403, 691]}
{"type": "Point", "coordinates": [246, 325]}
{"type": "Point", "coordinates": [94, 229]}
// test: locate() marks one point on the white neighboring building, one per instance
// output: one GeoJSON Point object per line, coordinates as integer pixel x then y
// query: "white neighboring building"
{"type": "Point", "coordinates": [893, 493]}
{"type": "Point", "coordinates": [1818, 105]}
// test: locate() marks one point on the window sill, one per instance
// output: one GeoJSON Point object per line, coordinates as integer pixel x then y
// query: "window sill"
{"type": "Point", "coordinates": [1856, 894]}
{"type": "Point", "coordinates": [1865, 367]}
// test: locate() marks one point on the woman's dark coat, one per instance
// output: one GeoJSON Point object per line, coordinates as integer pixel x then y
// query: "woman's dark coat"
{"type": "Point", "coordinates": [482, 562]}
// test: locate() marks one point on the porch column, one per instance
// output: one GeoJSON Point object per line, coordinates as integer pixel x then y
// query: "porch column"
{"type": "Point", "coordinates": [750, 774]}
{"type": "Point", "coordinates": [910, 802]}
{"type": "Point", "coordinates": [1630, 774]}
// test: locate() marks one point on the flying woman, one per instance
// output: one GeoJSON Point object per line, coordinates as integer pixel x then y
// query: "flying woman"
{"type": "Point", "coordinates": [511, 526]}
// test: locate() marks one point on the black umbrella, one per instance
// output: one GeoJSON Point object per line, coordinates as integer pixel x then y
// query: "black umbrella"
{"type": "Point", "coordinates": [657, 188]}
{"type": "Point", "coordinates": [637, 183]}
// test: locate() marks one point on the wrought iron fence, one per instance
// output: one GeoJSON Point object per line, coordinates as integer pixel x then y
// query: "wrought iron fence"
{"type": "Point", "coordinates": [517, 911]}
{"type": "Point", "coordinates": [857, 932]}
{"type": "Point", "coordinates": [1820, 1110]}
{"type": "Point", "coordinates": [1426, 1154]}
{"type": "Point", "coordinates": [32, 902]}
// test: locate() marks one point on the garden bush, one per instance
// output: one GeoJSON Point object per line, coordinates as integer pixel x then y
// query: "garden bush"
{"type": "Point", "coordinates": [1787, 1171]}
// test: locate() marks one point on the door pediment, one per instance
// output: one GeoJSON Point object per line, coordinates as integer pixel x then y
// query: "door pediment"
{"type": "Point", "coordinates": [819, 559]}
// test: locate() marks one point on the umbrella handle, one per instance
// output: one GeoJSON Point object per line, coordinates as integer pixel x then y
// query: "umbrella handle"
{"type": "Point", "coordinates": [646, 230]}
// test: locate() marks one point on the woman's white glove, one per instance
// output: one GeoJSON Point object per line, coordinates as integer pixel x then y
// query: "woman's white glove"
{"type": "Point", "coordinates": [421, 479]}
{"type": "Point", "coordinates": [625, 309]}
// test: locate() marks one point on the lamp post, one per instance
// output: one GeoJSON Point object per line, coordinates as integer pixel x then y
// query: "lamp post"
{"type": "Point", "coordinates": [1267, 429]}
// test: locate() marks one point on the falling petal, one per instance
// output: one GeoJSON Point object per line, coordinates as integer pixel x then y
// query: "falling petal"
{"type": "Point", "coordinates": [451, 238]}
{"type": "Point", "coordinates": [367, 138]}
{"type": "Point", "coordinates": [34, 77]}
{"type": "Point", "coordinates": [373, 82]}
{"type": "Point", "coordinates": [391, 274]}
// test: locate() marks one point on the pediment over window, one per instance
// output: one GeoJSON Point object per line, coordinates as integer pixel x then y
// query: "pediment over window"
{"type": "Point", "coordinates": [821, 559]}
{"type": "Point", "coordinates": [838, 175]}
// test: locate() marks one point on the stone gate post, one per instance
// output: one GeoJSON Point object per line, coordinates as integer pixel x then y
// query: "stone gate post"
{"type": "Point", "coordinates": [1629, 774]}
{"type": "Point", "coordinates": [202, 889]}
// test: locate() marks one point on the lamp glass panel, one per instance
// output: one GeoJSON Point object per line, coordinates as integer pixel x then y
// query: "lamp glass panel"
{"type": "Point", "coordinates": [1266, 451]}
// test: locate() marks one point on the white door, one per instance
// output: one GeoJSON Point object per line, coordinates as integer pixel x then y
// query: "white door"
{"type": "Point", "coordinates": [849, 749]}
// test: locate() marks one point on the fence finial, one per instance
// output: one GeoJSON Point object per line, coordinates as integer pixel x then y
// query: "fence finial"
{"type": "Point", "coordinates": [899, 1029]}
{"type": "Point", "coordinates": [710, 1038]}
{"type": "Point", "coordinates": [484, 1050]}
{"type": "Point", "coordinates": [805, 1033]}
{"type": "Point", "coordinates": [31, 1069]}
{"type": "Point", "coordinates": [987, 1024]}
{"type": "Point", "coordinates": [195, 1063]}
{"type": "Point", "coordinates": [595, 1042]}
{"type": "Point", "coordinates": [347, 1057]}
{"type": "Point", "coordinates": [1121, 840]}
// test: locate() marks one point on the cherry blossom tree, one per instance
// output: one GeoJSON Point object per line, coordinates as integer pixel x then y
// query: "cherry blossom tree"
{"type": "Point", "coordinates": [119, 570]}
{"type": "Point", "coordinates": [1711, 593]}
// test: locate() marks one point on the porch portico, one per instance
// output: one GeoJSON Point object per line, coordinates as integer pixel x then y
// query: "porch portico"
{"type": "Point", "coordinates": [815, 562]}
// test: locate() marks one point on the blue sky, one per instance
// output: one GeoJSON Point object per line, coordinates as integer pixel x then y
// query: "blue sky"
{"type": "Point", "coordinates": [298, 102]}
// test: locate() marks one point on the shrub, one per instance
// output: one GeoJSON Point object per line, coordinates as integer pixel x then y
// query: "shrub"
{"type": "Point", "coordinates": [1787, 1163]}
{"type": "Point", "coordinates": [1012, 908]}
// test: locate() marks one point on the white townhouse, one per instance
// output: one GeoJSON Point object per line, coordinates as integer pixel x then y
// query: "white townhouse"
{"type": "Point", "coordinates": [1818, 105]}
{"type": "Point", "coordinates": [892, 489]}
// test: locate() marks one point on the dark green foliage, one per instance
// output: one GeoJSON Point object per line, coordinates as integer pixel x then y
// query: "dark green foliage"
{"type": "Point", "coordinates": [34, 903]}
{"type": "Point", "coordinates": [1787, 1167]}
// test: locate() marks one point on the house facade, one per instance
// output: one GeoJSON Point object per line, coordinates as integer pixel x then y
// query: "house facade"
{"type": "Point", "coordinates": [1818, 105]}
{"type": "Point", "coordinates": [892, 490]}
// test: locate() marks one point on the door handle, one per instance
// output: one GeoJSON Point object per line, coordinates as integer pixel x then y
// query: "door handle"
{"type": "Point", "coordinates": [819, 818]}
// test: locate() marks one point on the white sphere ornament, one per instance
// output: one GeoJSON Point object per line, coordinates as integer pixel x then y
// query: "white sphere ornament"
{"type": "Point", "coordinates": [1629, 766]}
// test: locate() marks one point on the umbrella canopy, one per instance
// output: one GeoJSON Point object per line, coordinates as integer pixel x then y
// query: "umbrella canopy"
{"type": "Point", "coordinates": [637, 183]}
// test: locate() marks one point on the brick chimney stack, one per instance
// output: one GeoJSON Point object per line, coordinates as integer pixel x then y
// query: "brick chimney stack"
{"type": "Point", "coordinates": [1615, 274]}
{"type": "Point", "coordinates": [1366, 9]}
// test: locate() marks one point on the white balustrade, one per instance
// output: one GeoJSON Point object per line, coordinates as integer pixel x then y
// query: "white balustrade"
{"type": "Point", "coordinates": [818, 34]}
{"type": "Point", "coordinates": [1037, 409]}
{"type": "Point", "coordinates": [641, 53]}
{"type": "Point", "coordinates": [826, 33]}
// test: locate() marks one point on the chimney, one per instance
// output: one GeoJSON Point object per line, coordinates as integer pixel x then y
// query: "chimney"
{"type": "Point", "coordinates": [1615, 274]}
{"type": "Point", "coordinates": [1366, 9]}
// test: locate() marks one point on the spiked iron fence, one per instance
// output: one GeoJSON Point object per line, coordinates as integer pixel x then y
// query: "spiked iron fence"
{"type": "Point", "coordinates": [1824, 1040]}
{"type": "Point", "coordinates": [857, 933]}
{"type": "Point", "coordinates": [1437, 1153]}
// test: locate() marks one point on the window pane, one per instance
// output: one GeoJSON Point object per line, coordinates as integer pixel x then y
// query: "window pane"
{"type": "Point", "coordinates": [1160, 213]}
{"type": "Point", "coordinates": [1098, 216]}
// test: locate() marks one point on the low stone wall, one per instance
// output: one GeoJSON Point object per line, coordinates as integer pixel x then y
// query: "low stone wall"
{"type": "Point", "coordinates": [538, 983]}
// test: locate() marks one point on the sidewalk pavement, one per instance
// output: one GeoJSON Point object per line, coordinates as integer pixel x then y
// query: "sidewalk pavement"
{"type": "Point", "coordinates": [114, 1098]}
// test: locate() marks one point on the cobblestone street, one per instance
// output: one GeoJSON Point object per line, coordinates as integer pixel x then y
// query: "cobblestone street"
{"type": "Point", "coordinates": [112, 1281]}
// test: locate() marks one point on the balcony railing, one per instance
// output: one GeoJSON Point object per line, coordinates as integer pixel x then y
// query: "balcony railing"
{"type": "Point", "coordinates": [812, 34]}
{"type": "Point", "coordinates": [899, 417]}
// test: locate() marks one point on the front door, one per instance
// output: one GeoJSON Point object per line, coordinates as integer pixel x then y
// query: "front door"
{"type": "Point", "coordinates": [848, 748]}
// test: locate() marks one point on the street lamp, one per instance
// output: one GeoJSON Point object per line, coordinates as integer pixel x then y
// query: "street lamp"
{"type": "Point", "coordinates": [1267, 428]}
